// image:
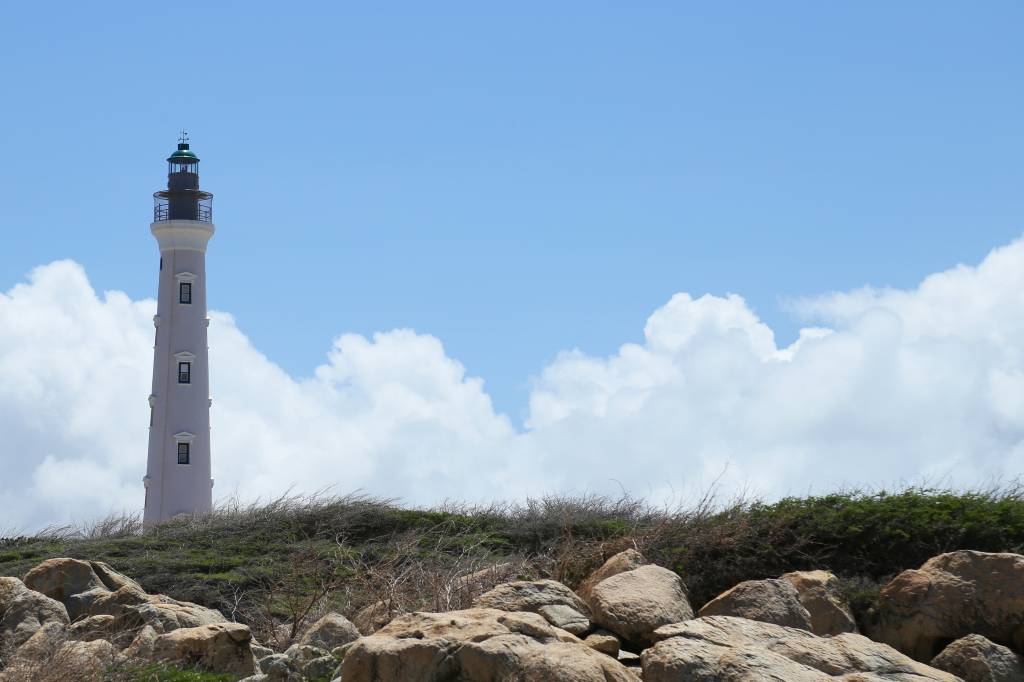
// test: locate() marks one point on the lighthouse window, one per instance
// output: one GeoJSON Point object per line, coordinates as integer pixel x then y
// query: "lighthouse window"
{"type": "Point", "coordinates": [183, 453]}
{"type": "Point", "coordinates": [185, 292]}
{"type": "Point", "coordinates": [184, 372]}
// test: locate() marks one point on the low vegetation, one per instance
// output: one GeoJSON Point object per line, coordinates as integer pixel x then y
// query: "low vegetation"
{"type": "Point", "coordinates": [292, 559]}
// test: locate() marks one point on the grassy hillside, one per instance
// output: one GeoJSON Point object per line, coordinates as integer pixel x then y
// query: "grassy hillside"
{"type": "Point", "coordinates": [298, 556]}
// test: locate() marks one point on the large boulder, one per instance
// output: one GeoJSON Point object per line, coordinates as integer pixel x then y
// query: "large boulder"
{"type": "Point", "coordinates": [220, 647]}
{"type": "Point", "coordinates": [92, 588]}
{"type": "Point", "coordinates": [23, 612]}
{"type": "Point", "coordinates": [633, 604]}
{"type": "Point", "coordinates": [820, 594]}
{"type": "Point", "coordinates": [73, 581]}
{"type": "Point", "coordinates": [619, 563]}
{"type": "Point", "coordinates": [329, 632]}
{"type": "Point", "coordinates": [476, 645]}
{"type": "Point", "coordinates": [976, 659]}
{"type": "Point", "coordinates": [769, 601]}
{"type": "Point", "coordinates": [730, 649]}
{"type": "Point", "coordinates": [953, 595]}
{"type": "Point", "coordinates": [551, 599]}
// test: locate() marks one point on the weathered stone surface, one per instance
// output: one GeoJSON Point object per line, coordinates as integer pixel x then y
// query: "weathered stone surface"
{"type": "Point", "coordinates": [953, 595]}
{"type": "Point", "coordinates": [133, 608]}
{"type": "Point", "coordinates": [559, 605]}
{"type": "Point", "coordinates": [92, 588]}
{"type": "Point", "coordinates": [329, 632]}
{"type": "Point", "coordinates": [220, 647]}
{"type": "Point", "coordinates": [23, 612]}
{"type": "Point", "coordinates": [476, 645]}
{"type": "Point", "coordinates": [523, 595]}
{"type": "Point", "coordinates": [620, 563]}
{"type": "Point", "coordinates": [565, 617]}
{"type": "Point", "coordinates": [260, 651]}
{"type": "Point", "coordinates": [87, 658]}
{"type": "Point", "coordinates": [142, 646]}
{"type": "Point", "coordinates": [820, 595]}
{"type": "Point", "coordinates": [34, 657]}
{"type": "Point", "coordinates": [375, 616]}
{"type": "Point", "coordinates": [605, 642]}
{"type": "Point", "coordinates": [769, 601]}
{"type": "Point", "coordinates": [633, 604]}
{"type": "Point", "coordinates": [304, 652]}
{"type": "Point", "coordinates": [726, 648]}
{"type": "Point", "coordinates": [280, 668]}
{"type": "Point", "coordinates": [62, 579]}
{"type": "Point", "coordinates": [976, 659]}
{"type": "Point", "coordinates": [93, 628]}
{"type": "Point", "coordinates": [320, 668]}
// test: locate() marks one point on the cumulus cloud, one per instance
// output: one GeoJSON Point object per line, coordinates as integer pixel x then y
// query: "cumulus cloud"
{"type": "Point", "coordinates": [882, 386]}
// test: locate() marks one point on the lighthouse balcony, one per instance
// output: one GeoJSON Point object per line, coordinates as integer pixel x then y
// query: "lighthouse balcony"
{"type": "Point", "coordinates": [183, 205]}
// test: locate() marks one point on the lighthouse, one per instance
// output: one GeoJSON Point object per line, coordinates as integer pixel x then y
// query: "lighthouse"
{"type": "Point", "coordinates": [177, 479]}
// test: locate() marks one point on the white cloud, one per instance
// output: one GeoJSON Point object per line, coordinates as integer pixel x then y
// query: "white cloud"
{"type": "Point", "coordinates": [900, 385]}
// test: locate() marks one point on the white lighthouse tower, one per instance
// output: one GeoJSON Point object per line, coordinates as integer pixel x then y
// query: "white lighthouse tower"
{"type": "Point", "coordinates": [177, 477]}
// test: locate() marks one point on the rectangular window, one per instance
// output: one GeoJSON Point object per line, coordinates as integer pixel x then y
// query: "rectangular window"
{"type": "Point", "coordinates": [183, 453]}
{"type": "Point", "coordinates": [184, 372]}
{"type": "Point", "coordinates": [185, 292]}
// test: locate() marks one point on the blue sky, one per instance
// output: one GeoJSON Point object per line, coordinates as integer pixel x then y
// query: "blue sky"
{"type": "Point", "coordinates": [515, 181]}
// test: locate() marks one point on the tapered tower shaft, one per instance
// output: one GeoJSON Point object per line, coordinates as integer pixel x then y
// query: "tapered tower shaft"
{"type": "Point", "coordinates": [178, 469]}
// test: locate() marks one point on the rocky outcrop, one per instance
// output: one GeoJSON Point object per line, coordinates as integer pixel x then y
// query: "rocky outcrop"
{"type": "Point", "coordinates": [333, 630]}
{"type": "Point", "coordinates": [23, 612]}
{"type": "Point", "coordinates": [951, 596]}
{"type": "Point", "coordinates": [476, 645]}
{"type": "Point", "coordinates": [92, 588]}
{"type": "Point", "coordinates": [220, 647]}
{"type": "Point", "coordinates": [976, 659]}
{"type": "Point", "coordinates": [769, 601]}
{"type": "Point", "coordinates": [76, 583]}
{"type": "Point", "coordinates": [633, 604]}
{"type": "Point", "coordinates": [727, 649]}
{"type": "Point", "coordinates": [819, 593]}
{"type": "Point", "coordinates": [551, 599]}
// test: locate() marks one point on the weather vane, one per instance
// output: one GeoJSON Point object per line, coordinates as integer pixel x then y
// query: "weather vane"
{"type": "Point", "coordinates": [184, 137]}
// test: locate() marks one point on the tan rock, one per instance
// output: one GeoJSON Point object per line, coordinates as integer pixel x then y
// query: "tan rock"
{"type": "Point", "coordinates": [605, 642]}
{"type": "Point", "coordinates": [375, 616]}
{"type": "Point", "coordinates": [93, 627]}
{"type": "Point", "coordinates": [769, 601]}
{"type": "Point", "coordinates": [953, 595]}
{"type": "Point", "coordinates": [635, 603]}
{"type": "Point", "coordinates": [76, 583]}
{"type": "Point", "coordinates": [620, 563]}
{"type": "Point", "coordinates": [551, 599]}
{"type": "Point", "coordinates": [141, 647]}
{"type": "Point", "coordinates": [87, 658]}
{"type": "Point", "coordinates": [133, 608]}
{"type": "Point", "coordinates": [23, 612]}
{"type": "Point", "coordinates": [92, 588]}
{"type": "Point", "coordinates": [820, 594]}
{"type": "Point", "coordinates": [976, 659]}
{"type": "Point", "coordinates": [730, 649]}
{"type": "Point", "coordinates": [476, 645]}
{"type": "Point", "coordinates": [333, 630]}
{"type": "Point", "coordinates": [35, 656]}
{"type": "Point", "coordinates": [220, 647]}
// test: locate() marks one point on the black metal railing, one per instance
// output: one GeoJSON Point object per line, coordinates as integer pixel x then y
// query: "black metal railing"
{"type": "Point", "coordinates": [183, 209]}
